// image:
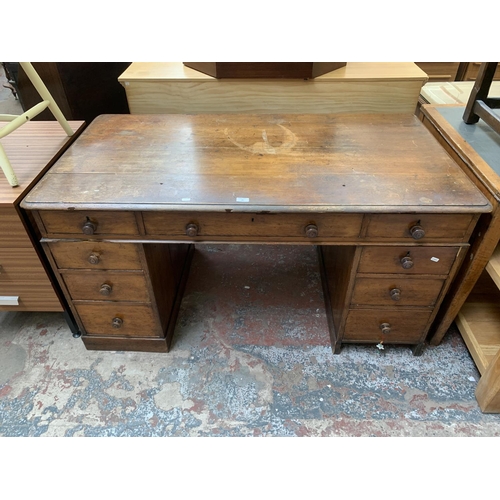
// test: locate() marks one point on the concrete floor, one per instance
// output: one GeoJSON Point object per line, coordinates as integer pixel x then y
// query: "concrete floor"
{"type": "Point", "coordinates": [251, 357]}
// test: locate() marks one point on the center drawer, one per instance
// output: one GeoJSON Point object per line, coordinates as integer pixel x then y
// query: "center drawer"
{"type": "Point", "coordinates": [199, 226]}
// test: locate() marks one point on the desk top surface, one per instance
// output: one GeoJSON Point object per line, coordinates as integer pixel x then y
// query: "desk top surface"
{"type": "Point", "coordinates": [353, 71]}
{"type": "Point", "coordinates": [271, 163]}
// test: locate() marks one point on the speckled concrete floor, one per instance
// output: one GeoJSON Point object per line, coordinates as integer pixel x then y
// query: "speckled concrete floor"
{"type": "Point", "coordinates": [251, 357]}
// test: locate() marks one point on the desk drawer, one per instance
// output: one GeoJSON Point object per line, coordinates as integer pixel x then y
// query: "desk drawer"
{"type": "Point", "coordinates": [396, 292]}
{"type": "Point", "coordinates": [199, 226]}
{"type": "Point", "coordinates": [88, 223]}
{"type": "Point", "coordinates": [119, 319]}
{"type": "Point", "coordinates": [407, 260]}
{"type": "Point", "coordinates": [422, 228]}
{"type": "Point", "coordinates": [95, 255]}
{"type": "Point", "coordinates": [36, 294]}
{"type": "Point", "coordinates": [405, 326]}
{"type": "Point", "coordinates": [106, 285]}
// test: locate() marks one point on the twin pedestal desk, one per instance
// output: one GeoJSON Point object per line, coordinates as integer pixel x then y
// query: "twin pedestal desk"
{"type": "Point", "coordinates": [390, 212]}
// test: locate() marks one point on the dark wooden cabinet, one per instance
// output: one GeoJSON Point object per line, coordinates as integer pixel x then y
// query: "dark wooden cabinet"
{"type": "Point", "coordinates": [83, 90]}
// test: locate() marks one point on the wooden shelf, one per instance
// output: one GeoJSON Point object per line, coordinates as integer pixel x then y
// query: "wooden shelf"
{"type": "Point", "coordinates": [479, 321]}
{"type": "Point", "coordinates": [493, 266]}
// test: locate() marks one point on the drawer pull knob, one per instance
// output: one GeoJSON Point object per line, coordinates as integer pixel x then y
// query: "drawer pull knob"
{"type": "Point", "coordinates": [117, 323]}
{"type": "Point", "coordinates": [89, 227]}
{"type": "Point", "coordinates": [105, 289]}
{"type": "Point", "coordinates": [312, 231]}
{"type": "Point", "coordinates": [192, 230]}
{"type": "Point", "coordinates": [395, 294]}
{"type": "Point", "coordinates": [417, 232]}
{"type": "Point", "coordinates": [386, 328]}
{"type": "Point", "coordinates": [407, 262]}
{"type": "Point", "coordinates": [94, 258]}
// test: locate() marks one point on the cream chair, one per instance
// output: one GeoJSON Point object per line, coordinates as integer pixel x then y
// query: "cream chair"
{"type": "Point", "coordinates": [15, 121]}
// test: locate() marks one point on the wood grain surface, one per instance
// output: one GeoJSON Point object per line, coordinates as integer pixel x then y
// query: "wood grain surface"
{"type": "Point", "coordinates": [244, 163]}
{"type": "Point", "coordinates": [353, 71]}
{"type": "Point", "coordinates": [357, 87]}
{"type": "Point", "coordinates": [30, 149]}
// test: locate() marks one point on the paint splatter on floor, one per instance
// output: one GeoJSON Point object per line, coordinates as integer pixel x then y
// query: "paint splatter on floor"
{"type": "Point", "coordinates": [251, 357]}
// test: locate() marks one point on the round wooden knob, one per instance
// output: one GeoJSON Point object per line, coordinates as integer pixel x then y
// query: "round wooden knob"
{"type": "Point", "coordinates": [386, 328]}
{"type": "Point", "coordinates": [406, 262]}
{"type": "Point", "coordinates": [105, 289]}
{"type": "Point", "coordinates": [312, 231]}
{"type": "Point", "coordinates": [117, 323]}
{"type": "Point", "coordinates": [395, 294]}
{"type": "Point", "coordinates": [191, 230]}
{"type": "Point", "coordinates": [94, 258]}
{"type": "Point", "coordinates": [417, 232]}
{"type": "Point", "coordinates": [89, 228]}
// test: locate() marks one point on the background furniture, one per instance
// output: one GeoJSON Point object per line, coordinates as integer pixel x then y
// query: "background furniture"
{"type": "Point", "coordinates": [357, 87]}
{"type": "Point", "coordinates": [24, 282]}
{"type": "Point", "coordinates": [438, 93]}
{"type": "Point", "coordinates": [452, 71]}
{"type": "Point", "coordinates": [83, 90]}
{"type": "Point", "coordinates": [392, 226]}
{"type": "Point", "coordinates": [470, 70]}
{"type": "Point", "coordinates": [474, 298]}
{"type": "Point", "coordinates": [440, 71]}
{"type": "Point", "coordinates": [480, 104]}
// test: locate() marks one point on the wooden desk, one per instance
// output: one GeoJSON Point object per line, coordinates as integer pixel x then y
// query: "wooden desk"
{"type": "Point", "coordinates": [390, 212]}
{"type": "Point", "coordinates": [474, 299]}
{"type": "Point", "coordinates": [355, 88]}
{"type": "Point", "coordinates": [24, 283]}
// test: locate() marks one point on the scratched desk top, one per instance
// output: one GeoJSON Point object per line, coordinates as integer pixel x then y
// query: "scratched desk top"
{"type": "Point", "coordinates": [272, 163]}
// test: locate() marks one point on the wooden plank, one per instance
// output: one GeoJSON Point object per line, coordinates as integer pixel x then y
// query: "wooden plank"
{"type": "Point", "coordinates": [488, 388]}
{"type": "Point", "coordinates": [353, 71]}
{"type": "Point", "coordinates": [493, 266]}
{"type": "Point", "coordinates": [153, 88]}
{"type": "Point", "coordinates": [479, 322]}
{"type": "Point", "coordinates": [472, 343]}
{"type": "Point", "coordinates": [303, 163]}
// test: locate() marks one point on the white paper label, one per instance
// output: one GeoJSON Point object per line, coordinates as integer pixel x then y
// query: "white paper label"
{"type": "Point", "coordinates": [434, 259]}
{"type": "Point", "coordinates": [242, 200]}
